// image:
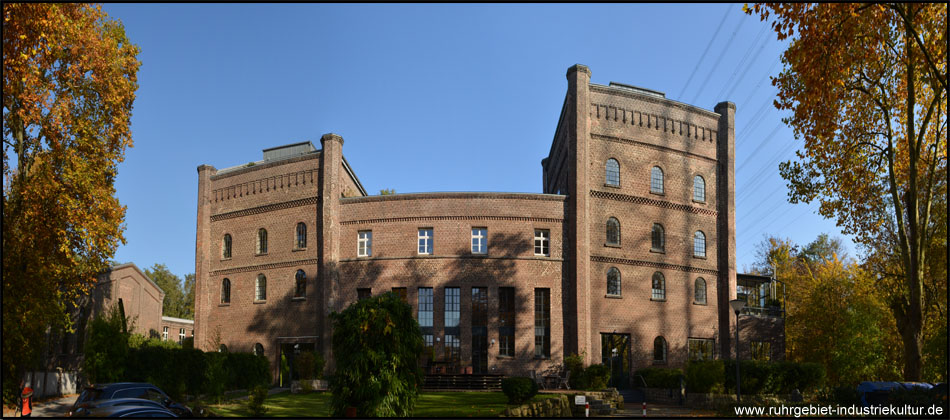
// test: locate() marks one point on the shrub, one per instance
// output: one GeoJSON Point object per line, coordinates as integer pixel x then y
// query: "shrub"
{"type": "Point", "coordinates": [215, 375]}
{"type": "Point", "coordinates": [519, 389]}
{"type": "Point", "coordinates": [310, 365]}
{"type": "Point", "coordinates": [107, 348]}
{"type": "Point", "coordinates": [247, 370]}
{"type": "Point", "coordinates": [255, 401]}
{"type": "Point", "coordinates": [705, 376]}
{"type": "Point", "coordinates": [596, 376]}
{"type": "Point", "coordinates": [843, 395]}
{"type": "Point", "coordinates": [377, 344]}
{"type": "Point", "coordinates": [575, 365]}
{"type": "Point", "coordinates": [660, 377]}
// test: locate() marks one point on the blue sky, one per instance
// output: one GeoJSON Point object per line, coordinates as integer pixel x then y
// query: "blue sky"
{"type": "Point", "coordinates": [428, 98]}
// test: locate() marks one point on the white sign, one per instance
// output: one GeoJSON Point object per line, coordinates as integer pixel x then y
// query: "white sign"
{"type": "Point", "coordinates": [580, 399]}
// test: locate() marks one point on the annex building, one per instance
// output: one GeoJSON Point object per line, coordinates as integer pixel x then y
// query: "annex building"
{"type": "Point", "coordinates": [630, 246]}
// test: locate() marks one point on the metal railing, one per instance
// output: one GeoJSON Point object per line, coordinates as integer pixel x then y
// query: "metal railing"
{"type": "Point", "coordinates": [773, 311]}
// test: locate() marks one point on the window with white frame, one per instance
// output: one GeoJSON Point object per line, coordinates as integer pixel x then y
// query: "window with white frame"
{"type": "Point", "coordinates": [164, 333]}
{"type": "Point", "coordinates": [612, 173]}
{"type": "Point", "coordinates": [699, 189]}
{"type": "Point", "coordinates": [364, 247]}
{"type": "Point", "coordinates": [542, 242]}
{"type": "Point", "coordinates": [656, 180]}
{"type": "Point", "coordinates": [480, 240]}
{"type": "Point", "coordinates": [181, 335]}
{"type": "Point", "coordinates": [699, 244]}
{"type": "Point", "coordinates": [260, 289]}
{"type": "Point", "coordinates": [425, 241]}
{"type": "Point", "coordinates": [659, 287]}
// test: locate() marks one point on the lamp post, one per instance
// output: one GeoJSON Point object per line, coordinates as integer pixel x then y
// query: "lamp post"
{"type": "Point", "coordinates": [737, 305]}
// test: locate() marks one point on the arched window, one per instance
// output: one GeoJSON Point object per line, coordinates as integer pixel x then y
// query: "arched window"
{"type": "Point", "coordinates": [301, 235]}
{"type": "Point", "coordinates": [699, 244]}
{"type": "Point", "coordinates": [699, 189]}
{"type": "Point", "coordinates": [613, 281]}
{"type": "Point", "coordinates": [301, 289]}
{"type": "Point", "coordinates": [226, 246]}
{"type": "Point", "coordinates": [260, 289]}
{"type": "Point", "coordinates": [612, 173]}
{"type": "Point", "coordinates": [613, 231]}
{"type": "Point", "coordinates": [656, 180]}
{"type": "Point", "coordinates": [225, 291]}
{"type": "Point", "coordinates": [658, 239]}
{"type": "Point", "coordinates": [262, 241]}
{"type": "Point", "coordinates": [659, 349]}
{"type": "Point", "coordinates": [258, 349]}
{"type": "Point", "coordinates": [699, 291]}
{"type": "Point", "coordinates": [659, 286]}
{"type": "Point", "coordinates": [222, 349]}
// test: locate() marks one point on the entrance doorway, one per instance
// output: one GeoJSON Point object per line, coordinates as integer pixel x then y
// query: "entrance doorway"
{"type": "Point", "coordinates": [615, 354]}
{"type": "Point", "coordinates": [288, 365]}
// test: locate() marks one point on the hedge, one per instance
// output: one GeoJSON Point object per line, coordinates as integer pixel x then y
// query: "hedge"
{"type": "Point", "coordinates": [758, 377]}
{"type": "Point", "coordinates": [519, 389]}
{"type": "Point", "coordinates": [194, 372]}
{"type": "Point", "coordinates": [659, 377]}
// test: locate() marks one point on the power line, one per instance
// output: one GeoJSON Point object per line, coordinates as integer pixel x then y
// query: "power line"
{"type": "Point", "coordinates": [742, 62]}
{"type": "Point", "coordinates": [712, 70]}
{"type": "Point", "coordinates": [721, 21]}
{"type": "Point", "coordinates": [757, 149]}
{"type": "Point", "coordinates": [757, 54]}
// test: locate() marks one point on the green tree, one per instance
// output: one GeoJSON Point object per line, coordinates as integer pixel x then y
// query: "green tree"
{"type": "Point", "coordinates": [867, 88]}
{"type": "Point", "coordinates": [69, 80]}
{"type": "Point", "coordinates": [387, 191]}
{"type": "Point", "coordinates": [107, 347]}
{"type": "Point", "coordinates": [189, 296]}
{"type": "Point", "coordinates": [175, 303]}
{"type": "Point", "coordinates": [377, 344]}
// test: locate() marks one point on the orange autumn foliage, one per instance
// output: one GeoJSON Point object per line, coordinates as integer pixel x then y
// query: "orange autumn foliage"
{"type": "Point", "coordinates": [69, 80]}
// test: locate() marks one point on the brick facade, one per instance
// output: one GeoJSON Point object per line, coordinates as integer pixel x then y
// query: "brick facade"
{"type": "Point", "coordinates": [637, 128]}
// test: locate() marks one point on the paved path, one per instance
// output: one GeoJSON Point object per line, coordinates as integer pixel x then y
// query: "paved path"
{"type": "Point", "coordinates": [56, 407]}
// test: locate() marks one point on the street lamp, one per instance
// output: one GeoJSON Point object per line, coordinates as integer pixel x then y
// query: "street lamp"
{"type": "Point", "coordinates": [737, 305]}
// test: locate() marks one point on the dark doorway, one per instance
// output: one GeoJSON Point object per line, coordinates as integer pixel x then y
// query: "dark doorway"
{"type": "Point", "coordinates": [618, 361]}
{"type": "Point", "coordinates": [288, 357]}
{"type": "Point", "coordinates": [479, 330]}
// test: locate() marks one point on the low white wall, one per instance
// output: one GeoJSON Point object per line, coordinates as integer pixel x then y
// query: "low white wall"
{"type": "Point", "coordinates": [52, 383]}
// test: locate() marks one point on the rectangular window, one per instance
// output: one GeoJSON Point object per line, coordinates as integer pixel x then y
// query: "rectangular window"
{"type": "Point", "coordinates": [402, 293]}
{"type": "Point", "coordinates": [480, 330]}
{"type": "Point", "coordinates": [452, 309]}
{"type": "Point", "coordinates": [761, 350]}
{"type": "Point", "coordinates": [542, 242]}
{"type": "Point", "coordinates": [365, 244]}
{"type": "Point", "coordinates": [181, 335]}
{"type": "Point", "coordinates": [700, 348]}
{"type": "Point", "coordinates": [363, 293]}
{"type": "Point", "coordinates": [425, 315]}
{"type": "Point", "coordinates": [164, 333]}
{"type": "Point", "coordinates": [542, 323]}
{"type": "Point", "coordinates": [479, 240]}
{"type": "Point", "coordinates": [425, 241]}
{"type": "Point", "coordinates": [506, 321]}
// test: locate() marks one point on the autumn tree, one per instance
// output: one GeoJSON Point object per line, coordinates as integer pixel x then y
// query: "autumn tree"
{"type": "Point", "coordinates": [866, 85]}
{"type": "Point", "coordinates": [68, 86]}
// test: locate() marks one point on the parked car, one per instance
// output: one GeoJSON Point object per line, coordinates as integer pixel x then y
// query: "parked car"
{"type": "Point", "coordinates": [84, 409]}
{"type": "Point", "coordinates": [130, 411]}
{"type": "Point", "coordinates": [879, 393]}
{"type": "Point", "coordinates": [125, 390]}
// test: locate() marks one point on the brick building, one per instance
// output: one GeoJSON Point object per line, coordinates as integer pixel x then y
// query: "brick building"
{"type": "Point", "coordinates": [631, 245]}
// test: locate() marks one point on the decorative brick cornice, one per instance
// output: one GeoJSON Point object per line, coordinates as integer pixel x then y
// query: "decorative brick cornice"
{"type": "Point", "coordinates": [441, 218]}
{"type": "Point", "coordinates": [652, 146]}
{"type": "Point", "coordinates": [262, 267]}
{"type": "Point", "coordinates": [281, 182]}
{"type": "Point", "coordinates": [455, 195]}
{"type": "Point", "coordinates": [662, 266]}
{"type": "Point", "coordinates": [662, 101]}
{"type": "Point", "coordinates": [263, 209]}
{"type": "Point", "coordinates": [652, 202]}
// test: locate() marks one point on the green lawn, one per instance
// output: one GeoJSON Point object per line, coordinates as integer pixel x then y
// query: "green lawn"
{"type": "Point", "coordinates": [430, 404]}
